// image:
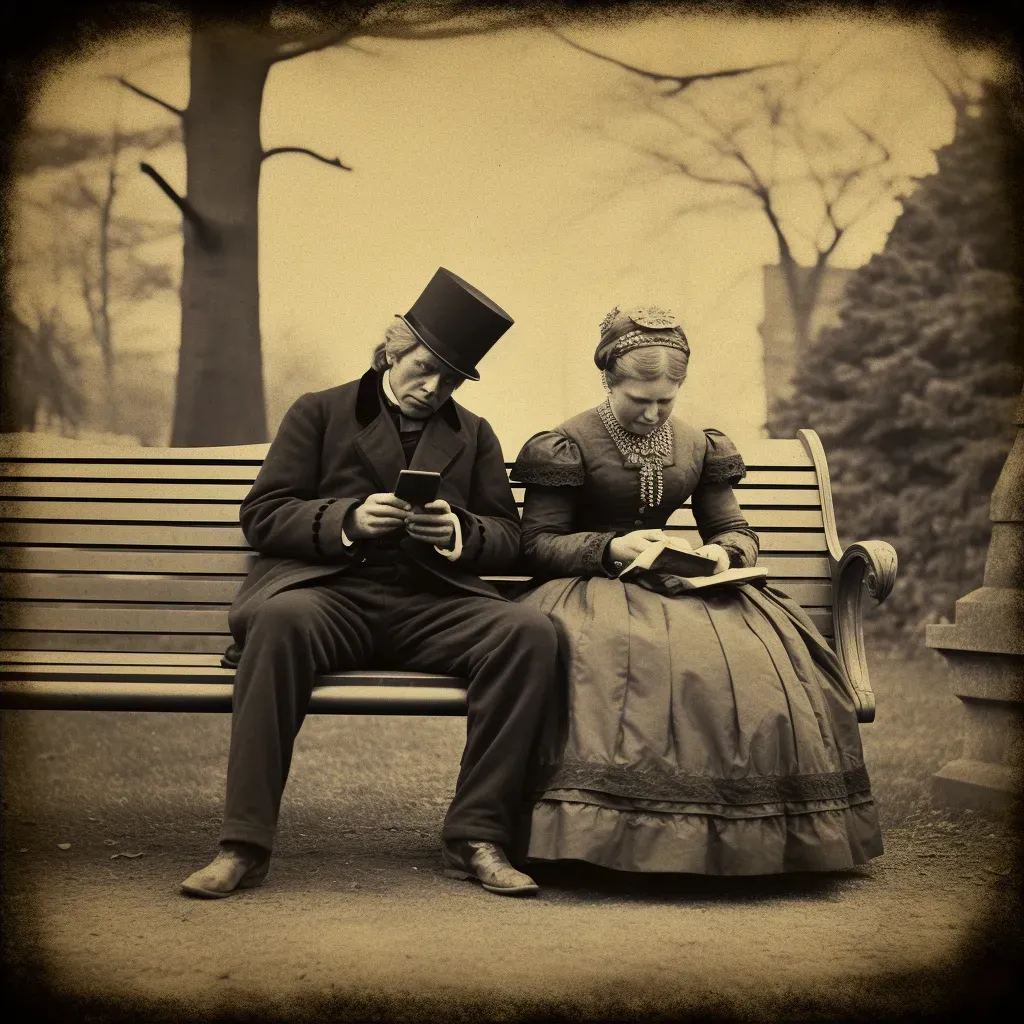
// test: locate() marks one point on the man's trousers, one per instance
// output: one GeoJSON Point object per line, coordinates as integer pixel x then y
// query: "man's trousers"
{"type": "Point", "coordinates": [391, 617]}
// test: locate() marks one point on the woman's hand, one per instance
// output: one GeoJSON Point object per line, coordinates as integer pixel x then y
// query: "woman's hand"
{"type": "Point", "coordinates": [717, 552]}
{"type": "Point", "coordinates": [431, 525]}
{"type": "Point", "coordinates": [625, 549]}
{"type": "Point", "coordinates": [378, 516]}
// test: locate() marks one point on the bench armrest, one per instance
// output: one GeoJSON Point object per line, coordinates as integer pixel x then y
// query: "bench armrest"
{"type": "Point", "coordinates": [866, 566]}
{"type": "Point", "coordinates": [869, 565]}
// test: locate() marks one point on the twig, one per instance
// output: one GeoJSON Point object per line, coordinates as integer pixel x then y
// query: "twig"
{"type": "Point", "coordinates": [681, 81]}
{"type": "Point", "coordinates": [335, 162]}
{"type": "Point", "coordinates": [287, 49]}
{"type": "Point", "coordinates": [188, 211]}
{"type": "Point", "coordinates": [149, 96]}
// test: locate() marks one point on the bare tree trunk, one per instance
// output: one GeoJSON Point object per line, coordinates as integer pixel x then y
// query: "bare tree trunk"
{"type": "Point", "coordinates": [220, 374]}
{"type": "Point", "coordinates": [105, 331]}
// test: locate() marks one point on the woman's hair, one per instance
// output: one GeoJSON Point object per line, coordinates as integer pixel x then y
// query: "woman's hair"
{"type": "Point", "coordinates": [398, 339]}
{"type": "Point", "coordinates": [647, 363]}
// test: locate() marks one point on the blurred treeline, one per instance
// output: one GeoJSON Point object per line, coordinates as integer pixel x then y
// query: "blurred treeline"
{"type": "Point", "coordinates": [80, 270]}
{"type": "Point", "coordinates": [913, 393]}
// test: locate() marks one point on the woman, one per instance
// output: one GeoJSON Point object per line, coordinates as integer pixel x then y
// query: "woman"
{"type": "Point", "coordinates": [709, 732]}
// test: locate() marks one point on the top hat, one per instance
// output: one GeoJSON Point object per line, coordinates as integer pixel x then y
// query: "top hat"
{"type": "Point", "coordinates": [458, 323]}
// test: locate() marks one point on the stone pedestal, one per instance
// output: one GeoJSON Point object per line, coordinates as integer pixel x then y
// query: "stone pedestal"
{"type": "Point", "coordinates": [984, 649]}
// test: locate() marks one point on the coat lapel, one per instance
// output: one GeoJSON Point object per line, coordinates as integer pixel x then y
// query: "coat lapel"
{"type": "Point", "coordinates": [380, 448]}
{"type": "Point", "coordinates": [439, 446]}
{"type": "Point", "coordinates": [377, 443]}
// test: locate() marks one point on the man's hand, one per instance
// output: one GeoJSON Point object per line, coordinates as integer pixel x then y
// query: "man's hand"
{"type": "Point", "coordinates": [430, 525]}
{"type": "Point", "coordinates": [378, 516]}
{"type": "Point", "coordinates": [625, 549]}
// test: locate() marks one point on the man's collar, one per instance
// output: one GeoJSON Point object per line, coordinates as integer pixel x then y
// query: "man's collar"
{"type": "Point", "coordinates": [385, 381]}
{"type": "Point", "coordinates": [374, 392]}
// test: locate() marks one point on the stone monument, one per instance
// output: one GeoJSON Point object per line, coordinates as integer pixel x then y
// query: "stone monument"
{"type": "Point", "coordinates": [984, 648]}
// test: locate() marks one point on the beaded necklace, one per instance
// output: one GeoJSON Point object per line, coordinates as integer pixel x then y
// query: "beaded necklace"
{"type": "Point", "coordinates": [647, 452]}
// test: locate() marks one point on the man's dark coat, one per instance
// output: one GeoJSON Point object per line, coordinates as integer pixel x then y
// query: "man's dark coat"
{"type": "Point", "coordinates": [334, 448]}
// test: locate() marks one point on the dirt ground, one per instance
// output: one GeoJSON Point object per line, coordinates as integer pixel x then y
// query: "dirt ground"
{"type": "Point", "coordinates": [106, 813]}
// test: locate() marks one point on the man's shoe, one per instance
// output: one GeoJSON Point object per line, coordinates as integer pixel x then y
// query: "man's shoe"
{"type": "Point", "coordinates": [487, 864]}
{"type": "Point", "coordinates": [237, 866]}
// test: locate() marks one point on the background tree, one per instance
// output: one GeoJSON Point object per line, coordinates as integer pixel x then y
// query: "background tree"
{"type": "Point", "coordinates": [39, 381]}
{"type": "Point", "coordinates": [76, 242]}
{"type": "Point", "coordinates": [776, 138]}
{"type": "Point", "coordinates": [913, 392]}
{"type": "Point", "coordinates": [107, 257]}
{"type": "Point", "coordinates": [220, 394]}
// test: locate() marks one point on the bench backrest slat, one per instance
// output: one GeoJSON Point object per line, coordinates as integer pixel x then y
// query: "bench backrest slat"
{"type": "Point", "coordinates": [137, 553]}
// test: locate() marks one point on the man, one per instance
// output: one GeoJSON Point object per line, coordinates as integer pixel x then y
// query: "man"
{"type": "Point", "coordinates": [349, 575]}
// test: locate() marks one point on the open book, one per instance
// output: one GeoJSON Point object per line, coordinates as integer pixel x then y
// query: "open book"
{"type": "Point", "coordinates": [692, 571]}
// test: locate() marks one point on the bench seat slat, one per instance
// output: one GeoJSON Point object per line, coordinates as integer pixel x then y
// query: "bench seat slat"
{"type": "Point", "coordinates": [123, 560]}
{"type": "Point", "coordinates": [211, 673]}
{"type": "Point", "coordinates": [210, 643]}
{"type": "Point", "coordinates": [212, 696]}
{"type": "Point", "coordinates": [221, 590]}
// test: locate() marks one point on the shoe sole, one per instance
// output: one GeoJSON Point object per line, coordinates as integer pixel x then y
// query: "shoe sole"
{"type": "Point", "coordinates": [518, 890]}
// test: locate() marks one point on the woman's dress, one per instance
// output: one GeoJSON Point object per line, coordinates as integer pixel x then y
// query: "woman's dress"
{"type": "Point", "coordinates": [711, 732]}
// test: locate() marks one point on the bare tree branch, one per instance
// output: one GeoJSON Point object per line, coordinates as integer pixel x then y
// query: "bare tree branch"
{"type": "Point", "coordinates": [289, 48]}
{"type": "Point", "coordinates": [681, 81]}
{"type": "Point", "coordinates": [188, 211]}
{"type": "Point", "coordinates": [680, 165]}
{"type": "Point", "coordinates": [430, 30]}
{"type": "Point", "coordinates": [365, 51]}
{"type": "Point", "coordinates": [335, 162]}
{"type": "Point", "coordinates": [149, 96]}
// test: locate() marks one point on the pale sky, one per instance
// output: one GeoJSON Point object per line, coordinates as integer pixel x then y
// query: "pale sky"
{"type": "Point", "coordinates": [507, 159]}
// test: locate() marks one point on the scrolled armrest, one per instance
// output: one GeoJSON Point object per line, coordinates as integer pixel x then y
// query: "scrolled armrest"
{"type": "Point", "coordinates": [869, 565]}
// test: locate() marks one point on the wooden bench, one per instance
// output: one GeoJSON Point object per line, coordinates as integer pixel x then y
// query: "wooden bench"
{"type": "Point", "coordinates": [118, 567]}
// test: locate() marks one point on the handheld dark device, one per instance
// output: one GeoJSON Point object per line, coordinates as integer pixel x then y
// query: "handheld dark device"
{"type": "Point", "coordinates": [417, 486]}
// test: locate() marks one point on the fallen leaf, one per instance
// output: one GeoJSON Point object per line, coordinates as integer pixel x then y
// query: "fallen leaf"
{"type": "Point", "coordinates": [130, 856]}
{"type": "Point", "coordinates": [63, 846]}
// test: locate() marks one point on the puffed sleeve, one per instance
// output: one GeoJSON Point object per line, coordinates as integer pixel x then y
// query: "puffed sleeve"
{"type": "Point", "coordinates": [715, 508]}
{"type": "Point", "coordinates": [552, 468]}
{"type": "Point", "coordinates": [551, 459]}
{"type": "Point", "coordinates": [723, 463]}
